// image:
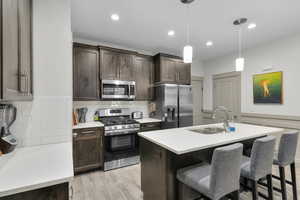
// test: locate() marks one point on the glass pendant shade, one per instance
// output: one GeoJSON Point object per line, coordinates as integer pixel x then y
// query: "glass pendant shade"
{"type": "Point", "coordinates": [239, 64]}
{"type": "Point", "coordinates": [188, 54]}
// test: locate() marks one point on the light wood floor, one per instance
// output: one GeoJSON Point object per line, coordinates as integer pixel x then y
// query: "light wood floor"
{"type": "Point", "coordinates": [124, 184]}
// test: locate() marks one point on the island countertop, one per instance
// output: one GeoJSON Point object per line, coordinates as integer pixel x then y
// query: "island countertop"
{"type": "Point", "coordinates": [31, 168]}
{"type": "Point", "coordinates": [183, 140]}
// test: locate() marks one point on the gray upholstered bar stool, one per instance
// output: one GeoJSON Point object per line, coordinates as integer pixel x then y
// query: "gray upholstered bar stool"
{"type": "Point", "coordinates": [217, 180]}
{"type": "Point", "coordinates": [284, 157]}
{"type": "Point", "coordinates": [259, 165]}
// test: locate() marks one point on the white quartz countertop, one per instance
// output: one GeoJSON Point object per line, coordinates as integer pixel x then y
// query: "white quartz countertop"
{"type": "Point", "coordinates": [88, 125]}
{"type": "Point", "coordinates": [148, 120]}
{"type": "Point", "coordinates": [32, 168]}
{"type": "Point", "coordinates": [183, 140]}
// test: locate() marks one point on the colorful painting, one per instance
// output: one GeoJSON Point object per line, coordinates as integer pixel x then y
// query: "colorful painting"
{"type": "Point", "coordinates": [267, 88]}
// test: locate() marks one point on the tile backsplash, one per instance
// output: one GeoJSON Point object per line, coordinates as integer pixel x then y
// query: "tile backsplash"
{"type": "Point", "coordinates": [94, 105]}
{"type": "Point", "coordinates": [45, 120]}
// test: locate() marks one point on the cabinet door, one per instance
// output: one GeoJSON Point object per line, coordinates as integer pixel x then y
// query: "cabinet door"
{"type": "Point", "coordinates": [144, 78]}
{"type": "Point", "coordinates": [153, 161]}
{"type": "Point", "coordinates": [109, 65]}
{"type": "Point", "coordinates": [10, 39]}
{"type": "Point", "coordinates": [86, 73]}
{"type": "Point", "coordinates": [16, 46]}
{"type": "Point", "coordinates": [168, 70]}
{"type": "Point", "coordinates": [87, 149]}
{"type": "Point", "coordinates": [25, 48]}
{"type": "Point", "coordinates": [126, 67]}
{"type": "Point", "coordinates": [183, 73]}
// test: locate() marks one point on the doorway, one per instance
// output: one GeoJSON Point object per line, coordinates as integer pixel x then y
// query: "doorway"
{"type": "Point", "coordinates": [227, 92]}
{"type": "Point", "coordinates": [197, 85]}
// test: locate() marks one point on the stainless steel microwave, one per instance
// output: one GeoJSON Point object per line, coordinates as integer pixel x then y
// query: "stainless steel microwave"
{"type": "Point", "coordinates": [117, 90]}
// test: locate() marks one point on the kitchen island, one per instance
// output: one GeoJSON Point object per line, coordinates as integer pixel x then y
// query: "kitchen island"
{"type": "Point", "coordinates": [164, 152]}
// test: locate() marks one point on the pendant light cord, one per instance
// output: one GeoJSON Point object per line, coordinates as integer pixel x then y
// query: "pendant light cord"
{"type": "Point", "coordinates": [240, 41]}
{"type": "Point", "coordinates": [188, 24]}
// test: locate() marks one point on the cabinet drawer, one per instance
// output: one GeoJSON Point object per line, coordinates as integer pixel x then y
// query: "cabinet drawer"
{"type": "Point", "coordinates": [87, 132]}
{"type": "Point", "coordinates": [150, 126]}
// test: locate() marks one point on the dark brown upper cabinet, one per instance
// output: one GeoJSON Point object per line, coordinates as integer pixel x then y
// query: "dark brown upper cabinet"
{"type": "Point", "coordinates": [16, 54]}
{"type": "Point", "coordinates": [171, 69]}
{"type": "Point", "coordinates": [144, 77]}
{"type": "Point", "coordinates": [183, 73]}
{"type": "Point", "coordinates": [117, 65]}
{"type": "Point", "coordinates": [86, 72]}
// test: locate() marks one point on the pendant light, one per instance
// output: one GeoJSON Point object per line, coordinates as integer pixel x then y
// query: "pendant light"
{"type": "Point", "coordinates": [240, 61]}
{"type": "Point", "coordinates": [187, 49]}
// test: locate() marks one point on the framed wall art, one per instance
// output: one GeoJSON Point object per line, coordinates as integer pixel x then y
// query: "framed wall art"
{"type": "Point", "coordinates": [267, 88]}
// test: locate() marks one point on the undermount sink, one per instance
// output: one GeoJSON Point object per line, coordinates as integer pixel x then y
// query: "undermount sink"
{"type": "Point", "coordinates": [209, 130]}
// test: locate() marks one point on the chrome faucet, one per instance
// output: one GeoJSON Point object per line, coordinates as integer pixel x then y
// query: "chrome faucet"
{"type": "Point", "coordinates": [226, 119]}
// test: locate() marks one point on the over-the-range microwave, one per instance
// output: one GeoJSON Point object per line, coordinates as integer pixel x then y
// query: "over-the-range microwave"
{"type": "Point", "coordinates": [117, 90]}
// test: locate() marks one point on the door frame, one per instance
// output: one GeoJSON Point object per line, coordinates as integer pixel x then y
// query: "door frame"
{"type": "Point", "coordinates": [201, 79]}
{"type": "Point", "coordinates": [229, 75]}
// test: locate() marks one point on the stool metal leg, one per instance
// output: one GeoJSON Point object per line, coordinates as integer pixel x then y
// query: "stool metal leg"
{"type": "Point", "coordinates": [294, 182]}
{"type": "Point", "coordinates": [254, 190]}
{"type": "Point", "coordinates": [270, 187]}
{"type": "Point", "coordinates": [236, 195]}
{"type": "Point", "coordinates": [282, 181]}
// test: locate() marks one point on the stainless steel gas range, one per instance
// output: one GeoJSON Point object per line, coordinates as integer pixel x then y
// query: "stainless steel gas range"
{"type": "Point", "coordinates": [121, 146]}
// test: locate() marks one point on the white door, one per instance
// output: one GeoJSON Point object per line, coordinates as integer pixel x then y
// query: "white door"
{"type": "Point", "coordinates": [197, 86]}
{"type": "Point", "coordinates": [227, 92]}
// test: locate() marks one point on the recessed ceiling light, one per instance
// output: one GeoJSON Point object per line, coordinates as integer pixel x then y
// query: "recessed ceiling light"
{"type": "Point", "coordinates": [171, 33]}
{"type": "Point", "coordinates": [209, 43]}
{"type": "Point", "coordinates": [115, 17]}
{"type": "Point", "coordinates": [252, 26]}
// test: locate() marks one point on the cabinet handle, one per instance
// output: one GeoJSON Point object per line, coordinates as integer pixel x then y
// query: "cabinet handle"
{"type": "Point", "coordinates": [88, 132]}
{"type": "Point", "coordinates": [72, 192]}
{"type": "Point", "coordinates": [21, 76]}
{"type": "Point", "coordinates": [28, 84]}
{"type": "Point", "coordinates": [75, 135]}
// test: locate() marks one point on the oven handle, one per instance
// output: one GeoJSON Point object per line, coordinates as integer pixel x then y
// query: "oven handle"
{"type": "Point", "coordinates": [129, 92]}
{"type": "Point", "coordinates": [112, 133]}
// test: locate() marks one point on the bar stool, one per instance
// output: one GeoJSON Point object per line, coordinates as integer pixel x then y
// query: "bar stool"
{"type": "Point", "coordinates": [284, 157]}
{"type": "Point", "coordinates": [259, 165]}
{"type": "Point", "coordinates": [217, 180]}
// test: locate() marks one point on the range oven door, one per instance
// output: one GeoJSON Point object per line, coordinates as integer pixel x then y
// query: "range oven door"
{"type": "Point", "coordinates": [115, 89]}
{"type": "Point", "coordinates": [121, 143]}
{"type": "Point", "coordinates": [121, 151]}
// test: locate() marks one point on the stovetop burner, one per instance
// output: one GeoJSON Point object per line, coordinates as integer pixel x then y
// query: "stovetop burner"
{"type": "Point", "coordinates": [110, 121]}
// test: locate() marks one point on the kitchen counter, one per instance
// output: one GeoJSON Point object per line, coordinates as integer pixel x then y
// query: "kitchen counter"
{"type": "Point", "coordinates": [148, 120]}
{"type": "Point", "coordinates": [88, 125]}
{"type": "Point", "coordinates": [183, 140]}
{"type": "Point", "coordinates": [31, 168]}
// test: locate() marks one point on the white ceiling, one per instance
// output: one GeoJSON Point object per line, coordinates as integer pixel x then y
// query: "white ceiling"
{"type": "Point", "coordinates": [144, 23]}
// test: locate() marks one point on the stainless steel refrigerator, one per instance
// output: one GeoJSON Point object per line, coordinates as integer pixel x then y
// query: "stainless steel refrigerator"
{"type": "Point", "coordinates": [174, 105]}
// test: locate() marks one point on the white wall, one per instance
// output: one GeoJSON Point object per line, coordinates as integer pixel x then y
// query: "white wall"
{"type": "Point", "coordinates": [197, 68]}
{"type": "Point", "coordinates": [48, 118]}
{"type": "Point", "coordinates": [281, 55]}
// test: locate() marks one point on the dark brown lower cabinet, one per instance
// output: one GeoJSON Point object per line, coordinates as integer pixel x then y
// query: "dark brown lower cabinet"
{"type": "Point", "coordinates": [87, 149]}
{"type": "Point", "coordinates": [56, 192]}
